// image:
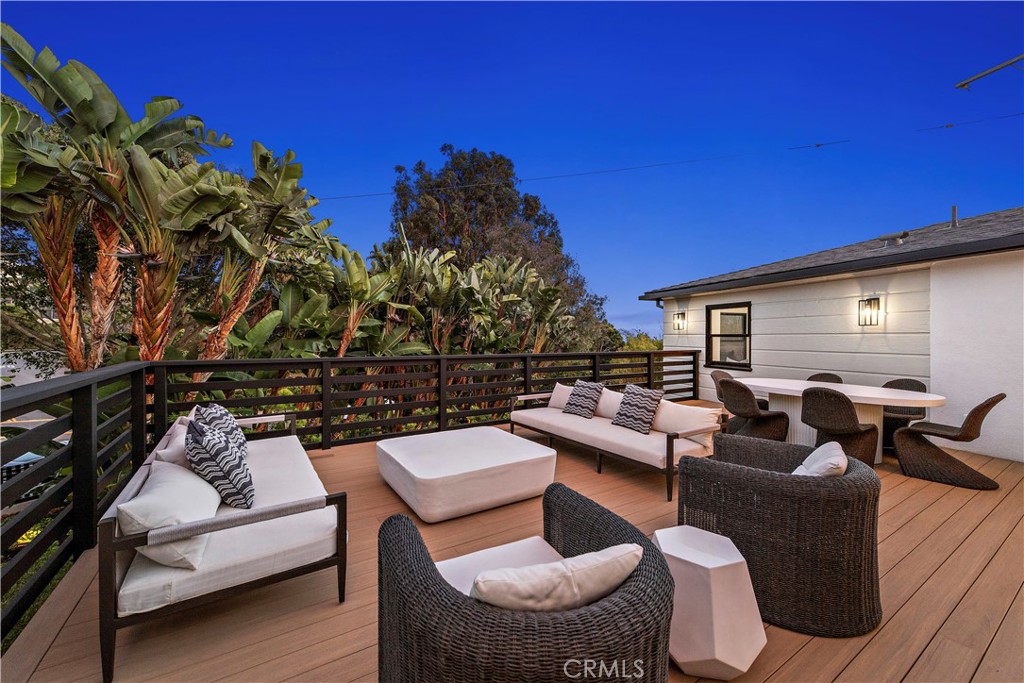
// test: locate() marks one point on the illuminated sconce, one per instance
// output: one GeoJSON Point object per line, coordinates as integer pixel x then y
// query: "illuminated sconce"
{"type": "Point", "coordinates": [869, 311]}
{"type": "Point", "coordinates": [679, 320]}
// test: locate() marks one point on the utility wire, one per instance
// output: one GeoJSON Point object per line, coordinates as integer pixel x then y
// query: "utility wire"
{"type": "Point", "coordinates": [680, 162]}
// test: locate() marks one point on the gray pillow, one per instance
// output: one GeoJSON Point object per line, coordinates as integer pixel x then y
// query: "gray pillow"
{"type": "Point", "coordinates": [214, 458]}
{"type": "Point", "coordinates": [637, 409]}
{"type": "Point", "coordinates": [583, 399]}
{"type": "Point", "coordinates": [218, 417]}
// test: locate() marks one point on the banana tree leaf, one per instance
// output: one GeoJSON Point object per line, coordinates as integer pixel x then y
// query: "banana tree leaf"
{"type": "Point", "coordinates": [290, 301]}
{"type": "Point", "coordinates": [261, 331]}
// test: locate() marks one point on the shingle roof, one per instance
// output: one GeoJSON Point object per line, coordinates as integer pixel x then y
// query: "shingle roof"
{"type": "Point", "coordinates": [997, 231]}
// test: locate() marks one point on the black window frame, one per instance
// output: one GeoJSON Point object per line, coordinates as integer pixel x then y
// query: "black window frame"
{"type": "Point", "coordinates": [709, 360]}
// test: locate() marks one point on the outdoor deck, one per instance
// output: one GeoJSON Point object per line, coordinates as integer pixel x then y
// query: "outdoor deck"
{"type": "Point", "coordinates": [951, 583]}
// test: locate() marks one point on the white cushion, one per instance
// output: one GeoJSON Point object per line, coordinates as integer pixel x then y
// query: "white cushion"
{"type": "Point", "coordinates": [172, 447]}
{"type": "Point", "coordinates": [608, 405]}
{"type": "Point", "coordinates": [567, 584]}
{"type": "Point", "coordinates": [461, 571]}
{"type": "Point", "coordinates": [676, 417]}
{"type": "Point", "coordinates": [559, 395]}
{"type": "Point", "coordinates": [171, 495]}
{"type": "Point", "coordinates": [827, 460]}
{"type": "Point", "coordinates": [282, 473]}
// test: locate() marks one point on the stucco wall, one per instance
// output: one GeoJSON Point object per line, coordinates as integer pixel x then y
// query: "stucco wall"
{"type": "Point", "coordinates": [803, 328]}
{"type": "Point", "coordinates": [977, 346]}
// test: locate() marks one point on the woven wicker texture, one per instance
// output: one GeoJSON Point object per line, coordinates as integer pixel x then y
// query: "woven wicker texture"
{"type": "Point", "coordinates": [835, 417]}
{"type": "Point", "coordinates": [922, 459]}
{"type": "Point", "coordinates": [825, 377]}
{"type": "Point", "coordinates": [430, 632]}
{"type": "Point", "coordinates": [750, 420]}
{"type": "Point", "coordinates": [810, 542]}
{"type": "Point", "coordinates": [894, 417]}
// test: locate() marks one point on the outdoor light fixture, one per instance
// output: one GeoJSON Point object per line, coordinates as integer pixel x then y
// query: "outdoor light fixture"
{"type": "Point", "coordinates": [869, 311]}
{"type": "Point", "coordinates": [679, 320]}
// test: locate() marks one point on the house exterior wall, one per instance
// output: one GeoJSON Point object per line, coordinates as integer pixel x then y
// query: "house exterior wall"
{"type": "Point", "coordinates": [977, 346]}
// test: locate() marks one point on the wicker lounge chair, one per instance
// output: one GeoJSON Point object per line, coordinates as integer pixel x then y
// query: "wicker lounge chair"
{"type": "Point", "coordinates": [429, 631]}
{"type": "Point", "coordinates": [894, 417]}
{"type": "Point", "coordinates": [835, 417]}
{"type": "Point", "coordinates": [825, 377]}
{"type": "Point", "coordinates": [750, 419]}
{"type": "Point", "coordinates": [922, 459]}
{"type": "Point", "coordinates": [811, 543]}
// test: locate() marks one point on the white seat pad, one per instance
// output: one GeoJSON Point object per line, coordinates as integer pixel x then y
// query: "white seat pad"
{"type": "Point", "coordinates": [281, 473]}
{"type": "Point", "coordinates": [460, 572]}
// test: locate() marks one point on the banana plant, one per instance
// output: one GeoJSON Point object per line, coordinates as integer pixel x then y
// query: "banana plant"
{"type": "Point", "coordinates": [362, 293]}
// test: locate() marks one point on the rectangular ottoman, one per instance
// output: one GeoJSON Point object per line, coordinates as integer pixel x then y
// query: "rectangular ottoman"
{"type": "Point", "coordinates": [449, 474]}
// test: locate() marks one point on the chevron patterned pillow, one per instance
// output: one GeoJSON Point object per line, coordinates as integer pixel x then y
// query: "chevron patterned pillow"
{"type": "Point", "coordinates": [218, 417]}
{"type": "Point", "coordinates": [584, 399]}
{"type": "Point", "coordinates": [214, 458]}
{"type": "Point", "coordinates": [637, 409]}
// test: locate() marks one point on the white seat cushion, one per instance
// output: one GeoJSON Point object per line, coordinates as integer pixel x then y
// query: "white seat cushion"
{"type": "Point", "coordinates": [461, 571]}
{"type": "Point", "coordinates": [282, 473]}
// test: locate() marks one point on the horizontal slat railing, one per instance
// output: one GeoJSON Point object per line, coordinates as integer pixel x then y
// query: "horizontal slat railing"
{"type": "Point", "coordinates": [95, 427]}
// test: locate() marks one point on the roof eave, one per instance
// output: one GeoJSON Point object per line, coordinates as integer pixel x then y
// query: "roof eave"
{"type": "Point", "coordinates": [996, 244]}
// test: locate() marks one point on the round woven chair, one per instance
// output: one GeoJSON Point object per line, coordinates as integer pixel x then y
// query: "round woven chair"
{"type": "Point", "coordinates": [429, 631]}
{"type": "Point", "coordinates": [894, 417]}
{"type": "Point", "coordinates": [825, 377]}
{"type": "Point", "coordinates": [749, 419]}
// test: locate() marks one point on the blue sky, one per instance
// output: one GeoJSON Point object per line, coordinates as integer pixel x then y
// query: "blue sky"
{"type": "Point", "coordinates": [357, 88]}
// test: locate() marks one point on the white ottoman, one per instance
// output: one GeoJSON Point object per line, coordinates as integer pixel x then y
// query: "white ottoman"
{"type": "Point", "coordinates": [716, 626]}
{"type": "Point", "coordinates": [449, 474]}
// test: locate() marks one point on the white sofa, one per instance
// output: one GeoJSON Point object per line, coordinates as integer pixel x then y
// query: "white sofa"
{"type": "Point", "coordinates": [678, 430]}
{"type": "Point", "coordinates": [292, 529]}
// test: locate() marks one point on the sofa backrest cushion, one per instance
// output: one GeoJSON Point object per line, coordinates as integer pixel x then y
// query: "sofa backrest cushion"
{"type": "Point", "coordinates": [172, 447]}
{"type": "Point", "coordinates": [171, 495]}
{"type": "Point", "coordinates": [559, 395]}
{"type": "Point", "coordinates": [571, 583]}
{"type": "Point", "coordinates": [675, 417]}
{"type": "Point", "coordinates": [609, 403]}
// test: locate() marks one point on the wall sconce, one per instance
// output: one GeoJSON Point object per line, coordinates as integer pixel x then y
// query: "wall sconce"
{"type": "Point", "coordinates": [869, 311]}
{"type": "Point", "coordinates": [679, 320]}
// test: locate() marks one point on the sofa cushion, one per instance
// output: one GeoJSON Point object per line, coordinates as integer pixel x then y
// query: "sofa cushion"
{"type": "Point", "coordinates": [559, 395]}
{"type": "Point", "coordinates": [827, 460]}
{"type": "Point", "coordinates": [171, 495]}
{"type": "Point", "coordinates": [609, 403]}
{"type": "Point", "coordinates": [566, 584]}
{"type": "Point", "coordinates": [172, 446]}
{"type": "Point", "coordinates": [217, 460]}
{"type": "Point", "coordinates": [218, 417]}
{"type": "Point", "coordinates": [461, 571]}
{"type": "Point", "coordinates": [583, 399]}
{"type": "Point", "coordinates": [675, 417]}
{"type": "Point", "coordinates": [282, 473]}
{"type": "Point", "coordinates": [637, 408]}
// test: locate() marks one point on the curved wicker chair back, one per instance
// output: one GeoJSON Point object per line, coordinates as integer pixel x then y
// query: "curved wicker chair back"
{"type": "Point", "coordinates": [825, 377]}
{"type": "Point", "coordinates": [905, 384]}
{"type": "Point", "coordinates": [829, 410]}
{"type": "Point", "coordinates": [792, 531]}
{"type": "Point", "coordinates": [738, 398]}
{"type": "Point", "coordinates": [971, 428]}
{"type": "Point", "coordinates": [429, 631]}
{"type": "Point", "coordinates": [716, 377]}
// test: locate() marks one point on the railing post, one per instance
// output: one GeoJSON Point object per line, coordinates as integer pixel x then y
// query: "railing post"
{"type": "Point", "coordinates": [159, 402]}
{"type": "Point", "coordinates": [138, 418]}
{"type": "Point", "coordinates": [650, 369]}
{"type": "Point", "coordinates": [696, 373]}
{"type": "Point", "coordinates": [326, 433]}
{"type": "Point", "coordinates": [597, 367]}
{"type": "Point", "coordinates": [528, 374]}
{"type": "Point", "coordinates": [442, 393]}
{"type": "Point", "coordinates": [83, 466]}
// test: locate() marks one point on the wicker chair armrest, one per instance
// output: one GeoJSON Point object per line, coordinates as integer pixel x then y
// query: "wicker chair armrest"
{"type": "Point", "coordinates": [574, 524]}
{"type": "Point", "coordinates": [765, 454]}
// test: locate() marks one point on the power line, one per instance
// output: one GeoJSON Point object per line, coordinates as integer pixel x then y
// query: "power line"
{"type": "Point", "coordinates": [680, 162]}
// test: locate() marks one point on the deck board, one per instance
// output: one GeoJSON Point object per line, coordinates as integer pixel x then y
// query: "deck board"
{"type": "Point", "coordinates": [951, 584]}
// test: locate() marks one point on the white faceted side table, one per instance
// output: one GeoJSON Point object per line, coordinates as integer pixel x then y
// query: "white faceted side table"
{"type": "Point", "coordinates": [716, 627]}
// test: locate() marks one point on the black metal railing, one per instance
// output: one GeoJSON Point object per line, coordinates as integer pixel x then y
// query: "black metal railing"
{"type": "Point", "coordinates": [93, 429]}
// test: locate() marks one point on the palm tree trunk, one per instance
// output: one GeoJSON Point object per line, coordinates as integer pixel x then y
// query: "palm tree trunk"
{"type": "Point", "coordinates": [154, 304]}
{"type": "Point", "coordinates": [106, 285]}
{"type": "Point", "coordinates": [54, 232]}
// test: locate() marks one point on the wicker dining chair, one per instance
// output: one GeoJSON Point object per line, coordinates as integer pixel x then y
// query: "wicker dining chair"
{"type": "Point", "coordinates": [811, 543]}
{"type": "Point", "coordinates": [825, 377]}
{"type": "Point", "coordinates": [894, 417]}
{"type": "Point", "coordinates": [833, 414]}
{"type": "Point", "coordinates": [749, 419]}
{"type": "Point", "coordinates": [922, 459]}
{"type": "Point", "coordinates": [429, 631]}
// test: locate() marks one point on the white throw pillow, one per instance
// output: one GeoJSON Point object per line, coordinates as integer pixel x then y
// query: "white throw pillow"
{"type": "Point", "coordinates": [559, 395]}
{"type": "Point", "coordinates": [571, 583]}
{"type": "Point", "coordinates": [609, 403]}
{"type": "Point", "coordinates": [827, 460]}
{"type": "Point", "coordinates": [171, 495]}
{"type": "Point", "coordinates": [172, 447]}
{"type": "Point", "coordinates": [676, 417]}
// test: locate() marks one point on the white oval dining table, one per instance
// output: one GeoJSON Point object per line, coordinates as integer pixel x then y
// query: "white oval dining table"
{"type": "Point", "coordinates": [787, 395]}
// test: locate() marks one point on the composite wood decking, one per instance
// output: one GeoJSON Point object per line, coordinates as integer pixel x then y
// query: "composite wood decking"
{"type": "Point", "coordinates": [951, 565]}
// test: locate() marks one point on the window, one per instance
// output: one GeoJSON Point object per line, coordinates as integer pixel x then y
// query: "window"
{"type": "Point", "coordinates": [727, 336]}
